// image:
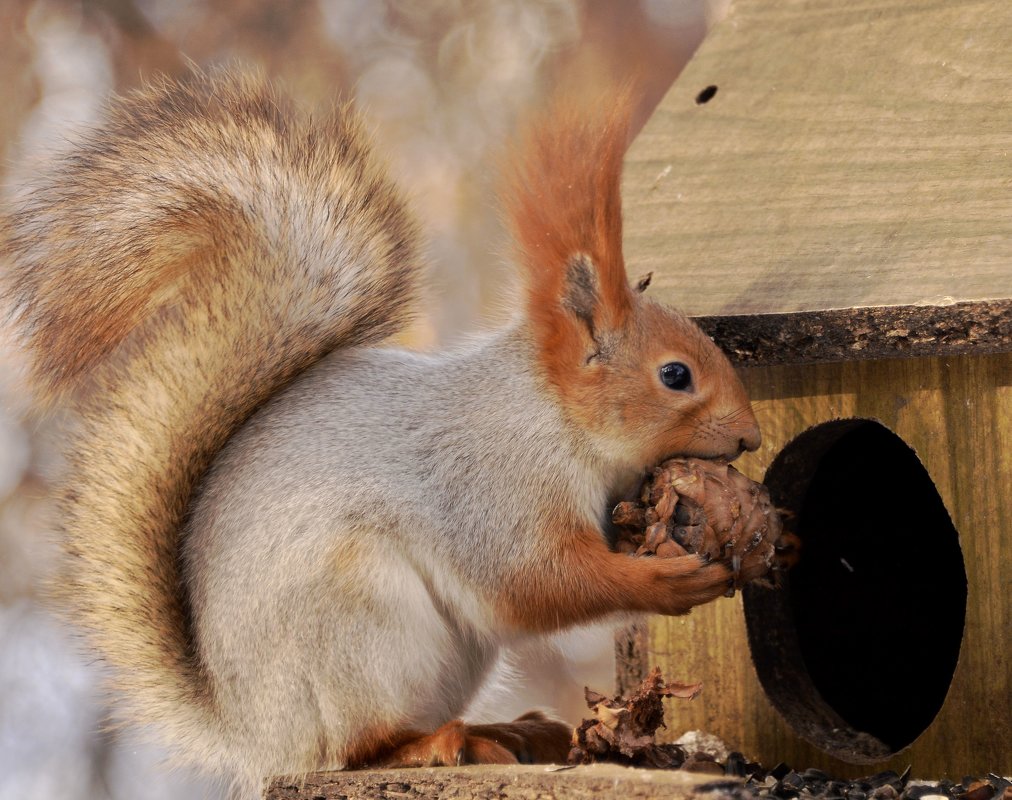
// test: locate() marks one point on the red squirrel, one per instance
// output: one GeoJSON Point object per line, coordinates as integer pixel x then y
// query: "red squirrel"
{"type": "Point", "coordinates": [296, 546]}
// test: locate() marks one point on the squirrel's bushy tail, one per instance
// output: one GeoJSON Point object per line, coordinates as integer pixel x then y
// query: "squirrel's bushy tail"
{"type": "Point", "coordinates": [169, 275]}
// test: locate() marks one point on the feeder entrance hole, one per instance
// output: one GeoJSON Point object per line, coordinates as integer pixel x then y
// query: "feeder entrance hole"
{"type": "Point", "coordinates": [857, 648]}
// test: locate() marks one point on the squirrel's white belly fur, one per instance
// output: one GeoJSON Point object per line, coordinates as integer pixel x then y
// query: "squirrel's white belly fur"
{"type": "Point", "coordinates": [370, 597]}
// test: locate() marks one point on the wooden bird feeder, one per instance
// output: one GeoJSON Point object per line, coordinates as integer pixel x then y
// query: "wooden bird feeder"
{"type": "Point", "coordinates": [828, 189]}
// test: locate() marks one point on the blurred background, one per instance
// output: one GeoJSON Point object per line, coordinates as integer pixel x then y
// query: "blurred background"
{"type": "Point", "coordinates": [443, 83]}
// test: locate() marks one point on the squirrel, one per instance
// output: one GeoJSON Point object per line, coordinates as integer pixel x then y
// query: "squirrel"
{"type": "Point", "coordinates": [295, 545]}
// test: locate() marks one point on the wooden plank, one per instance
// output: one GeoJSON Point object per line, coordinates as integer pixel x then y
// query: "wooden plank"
{"type": "Point", "coordinates": [957, 415]}
{"type": "Point", "coordinates": [855, 154]}
{"type": "Point", "coordinates": [507, 783]}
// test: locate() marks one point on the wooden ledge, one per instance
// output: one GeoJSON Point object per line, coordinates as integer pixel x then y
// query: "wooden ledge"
{"type": "Point", "coordinates": [519, 782]}
{"type": "Point", "coordinates": [804, 337]}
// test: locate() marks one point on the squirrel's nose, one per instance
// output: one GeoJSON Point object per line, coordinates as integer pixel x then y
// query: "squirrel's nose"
{"type": "Point", "coordinates": [748, 430]}
{"type": "Point", "coordinates": [751, 439]}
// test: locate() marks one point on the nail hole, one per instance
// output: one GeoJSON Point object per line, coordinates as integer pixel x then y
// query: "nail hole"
{"type": "Point", "coordinates": [706, 95]}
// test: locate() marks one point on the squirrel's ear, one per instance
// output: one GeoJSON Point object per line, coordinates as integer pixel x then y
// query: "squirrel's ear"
{"type": "Point", "coordinates": [581, 294]}
{"type": "Point", "coordinates": [563, 205]}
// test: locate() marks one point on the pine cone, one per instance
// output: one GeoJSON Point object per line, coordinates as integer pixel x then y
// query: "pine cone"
{"type": "Point", "coordinates": [690, 505]}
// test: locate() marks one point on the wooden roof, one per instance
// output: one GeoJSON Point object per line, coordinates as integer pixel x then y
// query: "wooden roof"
{"type": "Point", "coordinates": [853, 156]}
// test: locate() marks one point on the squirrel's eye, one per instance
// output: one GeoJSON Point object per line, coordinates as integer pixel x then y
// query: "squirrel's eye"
{"type": "Point", "coordinates": [675, 375]}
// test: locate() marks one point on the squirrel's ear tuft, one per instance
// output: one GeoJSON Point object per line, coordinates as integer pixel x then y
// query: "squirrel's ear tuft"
{"type": "Point", "coordinates": [563, 207]}
{"type": "Point", "coordinates": [582, 293]}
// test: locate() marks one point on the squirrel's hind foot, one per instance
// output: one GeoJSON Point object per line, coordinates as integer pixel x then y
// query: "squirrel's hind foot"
{"type": "Point", "coordinates": [530, 739]}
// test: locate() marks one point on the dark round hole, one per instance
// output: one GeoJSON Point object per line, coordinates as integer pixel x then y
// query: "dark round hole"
{"type": "Point", "coordinates": [706, 95]}
{"type": "Point", "coordinates": [858, 647]}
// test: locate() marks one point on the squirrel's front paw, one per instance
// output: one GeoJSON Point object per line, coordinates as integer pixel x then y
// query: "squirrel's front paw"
{"type": "Point", "coordinates": [684, 582]}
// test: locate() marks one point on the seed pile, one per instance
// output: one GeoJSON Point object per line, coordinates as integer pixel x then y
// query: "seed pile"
{"type": "Point", "coordinates": [690, 505]}
{"type": "Point", "coordinates": [783, 783]}
{"type": "Point", "coordinates": [622, 731]}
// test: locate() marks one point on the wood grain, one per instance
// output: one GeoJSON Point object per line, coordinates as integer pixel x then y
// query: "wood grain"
{"type": "Point", "coordinates": [506, 783]}
{"type": "Point", "coordinates": [854, 155]}
{"type": "Point", "coordinates": [956, 413]}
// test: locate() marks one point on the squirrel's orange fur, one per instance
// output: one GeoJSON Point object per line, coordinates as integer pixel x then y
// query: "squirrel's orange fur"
{"type": "Point", "coordinates": [563, 201]}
